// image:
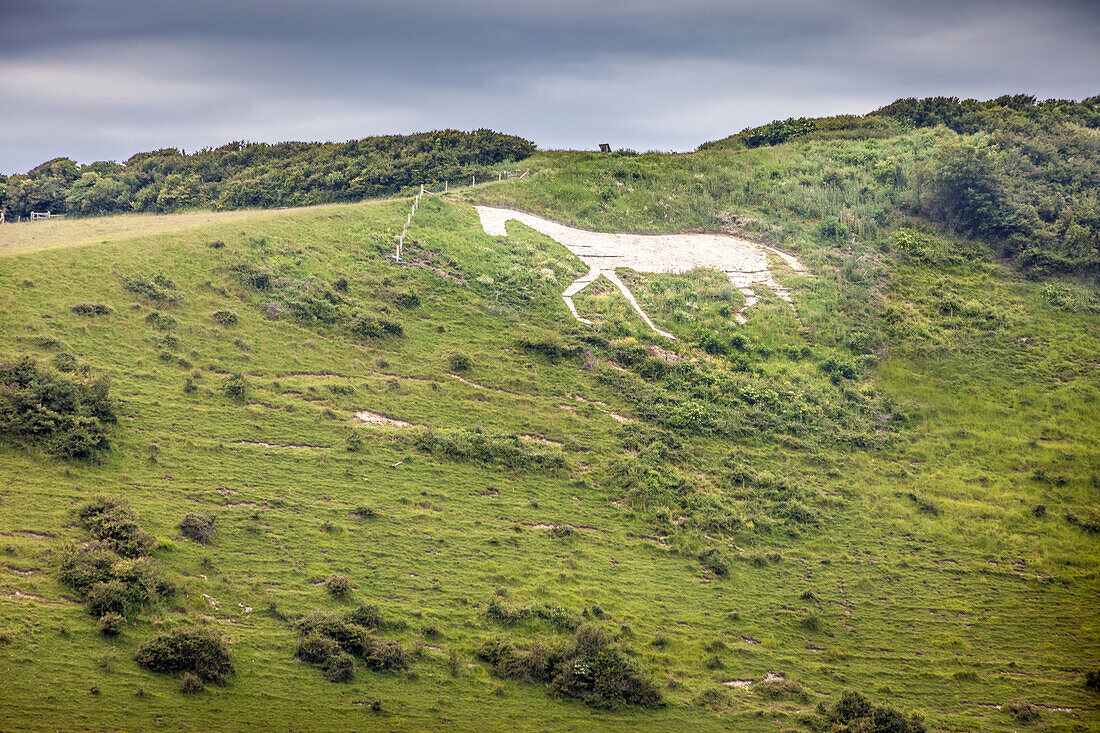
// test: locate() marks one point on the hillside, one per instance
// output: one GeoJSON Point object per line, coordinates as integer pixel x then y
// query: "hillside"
{"type": "Point", "coordinates": [891, 489]}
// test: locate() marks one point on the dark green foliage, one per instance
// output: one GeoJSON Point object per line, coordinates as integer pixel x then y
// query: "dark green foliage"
{"type": "Point", "coordinates": [853, 712]}
{"type": "Point", "coordinates": [332, 642]}
{"type": "Point", "coordinates": [781, 689]}
{"type": "Point", "coordinates": [67, 416]}
{"type": "Point", "coordinates": [590, 668]}
{"type": "Point", "coordinates": [778, 132]}
{"type": "Point", "coordinates": [925, 506]}
{"type": "Point", "coordinates": [157, 287]}
{"type": "Point", "coordinates": [82, 567]}
{"type": "Point", "coordinates": [714, 561]}
{"type": "Point", "coordinates": [1092, 679]}
{"type": "Point", "coordinates": [114, 524]}
{"type": "Point", "coordinates": [459, 363]}
{"type": "Point", "coordinates": [161, 321]}
{"type": "Point", "coordinates": [715, 698]}
{"type": "Point", "coordinates": [199, 527]}
{"type": "Point", "coordinates": [1023, 711]}
{"type": "Point", "coordinates": [190, 683]}
{"type": "Point", "coordinates": [109, 597]}
{"type": "Point", "coordinates": [224, 318]}
{"type": "Point", "coordinates": [373, 327]}
{"type": "Point", "coordinates": [199, 651]}
{"type": "Point", "coordinates": [474, 445]}
{"type": "Point", "coordinates": [111, 624]}
{"type": "Point", "coordinates": [549, 345]}
{"type": "Point", "coordinates": [92, 309]}
{"type": "Point", "coordinates": [64, 362]}
{"type": "Point", "coordinates": [235, 387]}
{"type": "Point", "coordinates": [243, 175]}
{"type": "Point", "coordinates": [338, 586]}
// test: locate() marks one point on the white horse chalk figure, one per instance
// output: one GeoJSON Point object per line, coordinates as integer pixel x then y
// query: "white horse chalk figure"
{"type": "Point", "coordinates": [744, 263]}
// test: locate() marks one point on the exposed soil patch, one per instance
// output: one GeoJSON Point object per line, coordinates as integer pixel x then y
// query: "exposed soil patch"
{"type": "Point", "coordinates": [374, 418]}
{"type": "Point", "coordinates": [479, 386]}
{"type": "Point", "coordinates": [620, 418]}
{"type": "Point", "coordinates": [740, 684]}
{"type": "Point", "coordinates": [540, 439]}
{"type": "Point", "coordinates": [20, 594]}
{"type": "Point", "coordinates": [277, 445]}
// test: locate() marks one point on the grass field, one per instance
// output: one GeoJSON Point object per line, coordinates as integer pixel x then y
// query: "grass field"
{"type": "Point", "coordinates": [931, 565]}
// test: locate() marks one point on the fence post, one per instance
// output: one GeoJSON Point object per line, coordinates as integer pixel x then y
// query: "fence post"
{"type": "Point", "coordinates": [473, 180]}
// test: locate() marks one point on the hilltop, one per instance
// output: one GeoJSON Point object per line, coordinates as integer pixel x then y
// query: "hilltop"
{"type": "Point", "coordinates": [417, 495]}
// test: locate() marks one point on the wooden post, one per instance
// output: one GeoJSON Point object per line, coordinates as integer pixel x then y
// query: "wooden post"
{"type": "Point", "coordinates": [473, 180]}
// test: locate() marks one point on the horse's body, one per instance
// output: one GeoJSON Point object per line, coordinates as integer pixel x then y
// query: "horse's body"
{"type": "Point", "coordinates": [744, 263]}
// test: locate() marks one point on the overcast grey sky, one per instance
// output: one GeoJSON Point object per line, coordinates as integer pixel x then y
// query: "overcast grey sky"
{"type": "Point", "coordinates": [103, 79]}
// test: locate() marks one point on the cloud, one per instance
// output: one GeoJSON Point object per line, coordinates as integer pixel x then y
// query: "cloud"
{"type": "Point", "coordinates": [111, 78]}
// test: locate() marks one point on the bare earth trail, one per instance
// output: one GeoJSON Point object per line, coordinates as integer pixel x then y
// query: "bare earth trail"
{"type": "Point", "coordinates": [744, 263]}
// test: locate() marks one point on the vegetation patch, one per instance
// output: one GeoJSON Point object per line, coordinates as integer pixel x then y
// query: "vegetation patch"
{"type": "Point", "coordinates": [66, 415]}
{"type": "Point", "coordinates": [198, 651]}
{"type": "Point", "coordinates": [503, 450]}
{"type": "Point", "coordinates": [590, 668]}
{"type": "Point", "coordinates": [335, 642]}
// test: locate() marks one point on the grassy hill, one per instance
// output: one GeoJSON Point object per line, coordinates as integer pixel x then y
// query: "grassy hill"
{"type": "Point", "coordinates": [892, 491]}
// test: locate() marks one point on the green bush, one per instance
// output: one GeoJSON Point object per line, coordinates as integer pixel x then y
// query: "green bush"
{"type": "Point", "coordinates": [158, 288]}
{"type": "Point", "coordinates": [853, 712]}
{"type": "Point", "coordinates": [317, 649]}
{"type": "Point", "coordinates": [92, 309]}
{"type": "Point", "coordinates": [199, 651]}
{"type": "Point", "coordinates": [224, 318]}
{"type": "Point", "coordinates": [161, 321]}
{"type": "Point", "coordinates": [235, 387]}
{"type": "Point", "coordinates": [114, 524]}
{"type": "Point", "coordinates": [328, 640]}
{"type": "Point", "coordinates": [1023, 711]}
{"type": "Point", "coordinates": [459, 363]}
{"type": "Point", "coordinates": [111, 624]}
{"type": "Point", "coordinates": [198, 527]}
{"type": "Point", "coordinates": [1092, 679]}
{"type": "Point", "coordinates": [109, 597]}
{"type": "Point", "coordinates": [340, 667]}
{"type": "Point", "coordinates": [589, 668]}
{"type": "Point", "coordinates": [66, 415]}
{"type": "Point", "coordinates": [190, 683]}
{"type": "Point", "coordinates": [338, 586]}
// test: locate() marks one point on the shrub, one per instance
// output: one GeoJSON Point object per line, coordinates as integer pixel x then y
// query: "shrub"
{"type": "Point", "coordinates": [715, 562]}
{"type": "Point", "coordinates": [1024, 712]}
{"type": "Point", "coordinates": [338, 586]}
{"type": "Point", "coordinates": [590, 669]}
{"type": "Point", "coordinates": [853, 712]}
{"type": "Point", "coordinates": [82, 567]}
{"type": "Point", "coordinates": [224, 318]}
{"type": "Point", "coordinates": [385, 655]}
{"type": "Point", "coordinates": [367, 616]}
{"type": "Point", "coordinates": [111, 624]}
{"type": "Point", "coordinates": [190, 683]}
{"type": "Point", "coordinates": [459, 362]}
{"type": "Point", "coordinates": [1092, 679]}
{"type": "Point", "coordinates": [714, 698]}
{"type": "Point", "coordinates": [64, 362]}
{"type": "Point", "coordinates": [407, 299]}
{"type": "Point", "coordinates": [235, 387]}
{"type": "Point", "coordinates": [199, 651]}
{"type": "Point", "coordinates": [67, 416]}
{"type": "Point", "coordinates": [217, 244]}
{"type": "Point", "coordinates": [92, 309]}
{"type": "Point", "coordinates": [317, 649]}
{"type": "Point", "coordinates": [252, 276]}
{"type": "Point", "coordinates": [781, 690]}
{"type": "Point", "coordinates": [107, 597]}
{"type": "Point", "coordinates": [115, 525]}
{"type": "Point", "coordinates": [198, 527]}
{"type": "Point", "coordinates": [160, 321]}
{"type": "Point", "coordinates": [158, 288]}
{"type": "Point", "coordinates": [340, 667]}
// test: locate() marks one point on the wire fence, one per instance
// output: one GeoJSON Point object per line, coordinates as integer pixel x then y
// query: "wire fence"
{"type": "Point", "coordinates": [501, 175]}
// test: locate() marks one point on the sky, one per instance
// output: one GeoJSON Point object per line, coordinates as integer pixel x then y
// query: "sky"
{"type": "Point", "coordinates": [104, 79]}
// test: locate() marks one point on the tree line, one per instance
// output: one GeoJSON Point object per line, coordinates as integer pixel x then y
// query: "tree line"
{"type": "Point", "coordinates": [244, 175]}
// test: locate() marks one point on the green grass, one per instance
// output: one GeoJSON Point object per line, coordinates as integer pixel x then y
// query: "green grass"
{"type": "Point", "coordinates": [974, 394]}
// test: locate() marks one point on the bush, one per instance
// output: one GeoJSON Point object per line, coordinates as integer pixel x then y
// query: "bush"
{"type": "Point", "coordinates": [224, 318]}
{"type": "Point", "coordinates": [372, 327]}
{"type": "Point", "coordinates": [190, 683]}
{"type": "Point", "coordinates": [714, 698]}
{"type": "Point", "coordinates": [781, 690]}
{"type": "Point", "coordinates": [317, 649]}
{"type": "Point", "coordinates": [1092, 680]}
{"type": "Point", "coordinates": [235, 387]}
{"type": "Point", "coordinates": [160, 321]}
{"type": "Point", "coordinates": [82, 567]}
{"type": "Point", "coordinates": [199, 651]}
{"type": "Point", "coordinates": [1024, 712]}
{"type": "Point", "coordinates": [459, 363]}
{"type": "Point", "coordinates": [338, 586]}
{"type": "Point", "coordinates": [369, 617]}
{"type": "Point", "coordinates": [385, 655]}
{"type": "Point", "coordinates": [853, 712]}
{"type": "Point", "coordinates": [109, 597]}
{"type": "Point", "coordinates": [68, 416]}
{"type": "Point", "coordinates": [340, 667]}
{"type": "Point", "coordinates": [92, 309]}
{"type": "Point", "coordinates": [158, 288]}
{"type": "Point", "coordinates": [111, 624]}
{"type": "Point", "coordinates": [114, 524]}
{"type": "Point", "coordinates": [590, 669]}
{"type": "Point", "coordinates": [198, 527]}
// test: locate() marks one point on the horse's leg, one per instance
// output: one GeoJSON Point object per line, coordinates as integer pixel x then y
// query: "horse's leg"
{"type": "Point", "coordinates": [575, 287]}
{"type": "Point", "coordinates": [610, 274]}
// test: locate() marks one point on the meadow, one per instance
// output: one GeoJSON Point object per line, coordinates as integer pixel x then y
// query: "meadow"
{"type": "Point", "coordinates": [893, 490]}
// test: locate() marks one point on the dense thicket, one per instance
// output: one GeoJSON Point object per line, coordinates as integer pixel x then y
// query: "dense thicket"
{"type": "Point", "coordinates": [1019, 174]}
{"type": "Point", "coordinates": [68, 415]}
{"type": "Point", "coordinates": [241, 175]}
